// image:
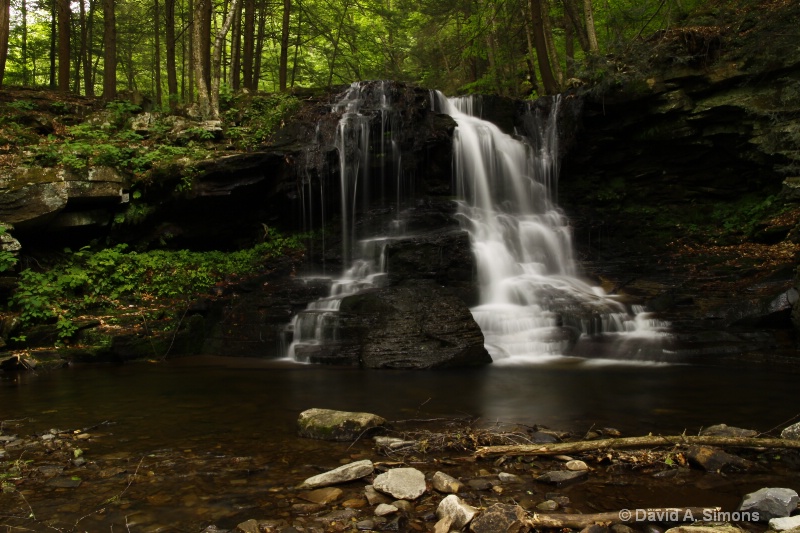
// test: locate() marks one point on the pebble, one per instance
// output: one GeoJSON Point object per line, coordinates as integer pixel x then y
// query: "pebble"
{"type": "Point", "coordinates": [506, 477]}
{"type": "Point", "coordinates": [548, 505]}
{"type": "Point", "coordinates": [446, 483]}
{"type": "Point", "coordinates": [385, 509]}
{"type": "Point", "coordinates": [576, 466]}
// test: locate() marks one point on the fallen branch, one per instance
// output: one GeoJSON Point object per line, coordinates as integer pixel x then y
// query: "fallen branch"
{"type": "Point", "coordinates": [634, 442]}
{"type": "Point", "coordinates": [580, 521]}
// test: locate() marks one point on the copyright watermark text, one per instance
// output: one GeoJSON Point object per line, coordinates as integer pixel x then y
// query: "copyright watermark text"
{"type": "Point", "coordinates": [687, 515]}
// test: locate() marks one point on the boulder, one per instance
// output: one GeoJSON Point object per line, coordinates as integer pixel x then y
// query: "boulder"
{"type": "Point", "coordinates": [343, 474]}
{"type": "Point", "coordinates": [455, 511]}
{"type": "Point", "coordinates": [328, 424]}
{"type": "Point", "coordinates": [499, 518]}
{"type": "Point", "coordinates": [791, 432]}
{"type": "Point", "coordinates": [416, 327]}
{"type": "Point", "coordinates": [401, 483]}
{"type": "Point", "coordinates": [770, 503]}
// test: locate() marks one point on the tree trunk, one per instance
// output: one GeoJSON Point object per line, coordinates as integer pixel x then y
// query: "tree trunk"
{"type": "Point", "coordinates": [571, 11]}
{"type": "Point", "coordinates": [172, 73]}
{"type": "Point", "coordinates": [109, 51]}
{"type": "Point", "coordinates": [235, 73]}
{"type": "Point", "coordinates": [198, 59]}
{"type": "Point", "coordinates": [548, 80]}
{"type": "Point", "coordinates": [23, 11]}
{"type": "Point", "coordinates": [78, 58]}
{"type": "Point", "coordinates": [216, 55]}
{"type": "Point", "coordinates": [552, 51]}
{"type": "Point", "coordinates": [63, 45]}
{"type": "Point", "coordinates": [635, 442]}
{"type": "Point", "coordinates": [591, 34]}
{"type": "Point", "coordinates": [88, 80]}
{"type": "Point", "coordinates": [259, 51]}
{"type": "Point", "coordinates": [297, 44]}
{"type": "Point", "coordinates": [531, 55]}
{"type": "Point", "coordinates": [53, 43]}
{"type": "Point", "coordinates": [157, 50]}
{"type": "Point", "coordinates": [569, 46]}
{"type": "Point", "coordinates": [5, 28]}
{"type": "Point", "coordinates": [205, 44]}
{"type": "Point", "coordinates": [284, 61]}
{"type": "Point", "coordinates": [249, 43]}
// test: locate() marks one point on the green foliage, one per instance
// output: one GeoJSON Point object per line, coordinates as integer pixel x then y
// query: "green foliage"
{"type": "Point", "coordinates": [112, 278]}
{"type": "Point", "coordinates": [743, 217]}
{"type": "Point", "coordinates": [258, 117]}
{"type": "Point", "coordinates": [22, 105]}
{"type": "Point", "coordinates": [7, 259]}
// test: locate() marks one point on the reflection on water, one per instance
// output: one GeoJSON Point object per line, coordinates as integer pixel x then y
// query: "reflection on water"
{"type": "Point", "coordinates": [245, 400]}
{"type": "Point", "coordinates": [204, 441]}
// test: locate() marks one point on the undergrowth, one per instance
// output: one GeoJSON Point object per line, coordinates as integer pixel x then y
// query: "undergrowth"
{"type": "Point", "coordinates": [114, 278]}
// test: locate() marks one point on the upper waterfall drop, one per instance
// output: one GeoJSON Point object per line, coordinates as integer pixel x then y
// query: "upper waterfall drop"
{"type": "Point", "coordinates": [532, 304]}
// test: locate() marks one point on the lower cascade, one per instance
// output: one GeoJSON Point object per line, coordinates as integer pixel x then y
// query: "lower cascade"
{"type": "Point", "coordinates": [533, 306]}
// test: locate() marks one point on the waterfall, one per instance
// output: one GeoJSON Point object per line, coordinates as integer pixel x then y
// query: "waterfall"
{"type": "Point", "coordinates": [532, 302]}
{"type": "Point", "coordinates": [370, 173]}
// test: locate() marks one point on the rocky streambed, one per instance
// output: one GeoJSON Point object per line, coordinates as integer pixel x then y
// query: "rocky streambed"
{"type": "Point", "coordinates": [418, 475]}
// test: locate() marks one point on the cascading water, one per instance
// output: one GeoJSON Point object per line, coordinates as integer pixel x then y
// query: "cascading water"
{"type": "Point", "coordinates": [369, 164]}
{"type": "Point", "coordinates": [532, 305]}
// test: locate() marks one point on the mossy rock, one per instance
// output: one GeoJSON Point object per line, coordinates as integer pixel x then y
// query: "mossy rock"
{"type": "Point", "coordinates": [328, 424]}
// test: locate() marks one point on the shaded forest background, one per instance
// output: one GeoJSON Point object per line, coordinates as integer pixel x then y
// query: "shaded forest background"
{"type": "Point", "coordinates": [161, 48]}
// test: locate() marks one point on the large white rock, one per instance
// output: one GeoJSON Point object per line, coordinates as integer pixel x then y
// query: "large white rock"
{"type": "Point", "coordinates": [454, 510]}
{"type": "Point", "coordinates": [343, 474]}
{"type": "Point", "coordinates": [401, 483]}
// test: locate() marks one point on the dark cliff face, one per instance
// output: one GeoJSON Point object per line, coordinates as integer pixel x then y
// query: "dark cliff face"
{"type": "Point", "coordinates": [679, 187]}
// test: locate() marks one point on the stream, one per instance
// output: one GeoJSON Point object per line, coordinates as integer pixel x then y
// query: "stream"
{"type": "Point", "coordinates": [180, 445]}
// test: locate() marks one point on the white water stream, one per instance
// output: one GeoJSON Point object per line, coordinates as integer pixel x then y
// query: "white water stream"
{"type": "Point", "coordinates": [533, 305]}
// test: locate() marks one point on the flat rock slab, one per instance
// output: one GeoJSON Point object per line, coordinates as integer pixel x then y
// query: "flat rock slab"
{"type": "Point", "coordinates": [343, 474]}
{"type": "Point", "coordinates": [327, 424]}
{"type": "Point", "coordinates": [401, 483]}
{"type": "Point", "coordinates": [562, 477]}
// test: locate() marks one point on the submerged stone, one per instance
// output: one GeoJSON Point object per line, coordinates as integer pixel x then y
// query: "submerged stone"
{"type": "Point", "coordinates": [499, 517]}
{"type": "Point", "coordinates": [724, 430]}
{"type": "Point", "coordinates": [560, 477]}
{"type": "Point", "coordinates": [343, 474]}
{"type": "Point", "coordinates": [327, 424]}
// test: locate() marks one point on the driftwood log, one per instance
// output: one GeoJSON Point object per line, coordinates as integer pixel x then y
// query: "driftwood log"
{"type": "Point", "coordinates": [635, 442]}
{"type": "Point", "coordinates": [580, 521]}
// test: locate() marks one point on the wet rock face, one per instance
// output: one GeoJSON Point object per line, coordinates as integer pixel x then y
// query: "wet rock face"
{"type": "Point", "coordinates": [413, 327]}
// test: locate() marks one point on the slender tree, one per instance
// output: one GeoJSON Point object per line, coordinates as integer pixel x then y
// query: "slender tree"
{"type": "Point", "coordinates": [249, 43]}
{"type": "Point", "coordinates": [64, 23]}
{"type": "Point", "coordinates": [5, 26]}
{"type": "Point", "coordinates": [591, 34]}
{"type": "Point", "coordinates": [172, 75]}
{"type": "Point", "coordinates": [109, 51]}
{"type": "Point", "coordinates": [284, 61]}
{"type": "Point", "coordinates": [235, 72]}
{"type": "Point", "coordinates": [546, 71]}
{"type": "Point", "coordinates": [53, 42]}
{"type": "Point", "coordinates": [216, 55]}
{"type": "Point", "coordinates": [198, 59]}
{"type": "Point", "coordinates": [157, 50]}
